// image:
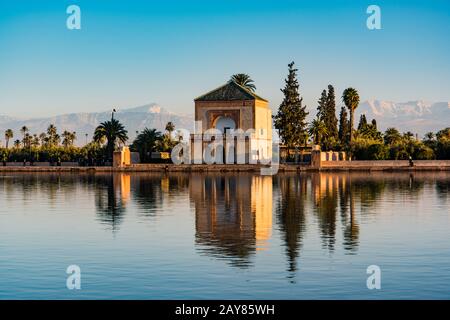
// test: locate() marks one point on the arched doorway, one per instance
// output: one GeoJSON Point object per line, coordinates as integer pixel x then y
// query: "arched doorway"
{"type": "Point", "coordinates": [224, 124]}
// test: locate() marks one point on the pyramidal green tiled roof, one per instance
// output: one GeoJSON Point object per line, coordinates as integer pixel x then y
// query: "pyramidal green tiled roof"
{"type": "Point", "coordinates": [230, 91]}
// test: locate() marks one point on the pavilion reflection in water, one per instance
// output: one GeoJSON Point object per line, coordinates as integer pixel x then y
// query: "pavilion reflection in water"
{"type": "Point", "coordinates": [233, 214]}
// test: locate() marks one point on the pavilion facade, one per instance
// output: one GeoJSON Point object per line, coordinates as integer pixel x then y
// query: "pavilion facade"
{"type": "Point", "coordinates": [233, 125]}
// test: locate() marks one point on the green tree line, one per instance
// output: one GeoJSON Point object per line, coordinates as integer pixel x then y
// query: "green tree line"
{"type": "Point", "coordinates": [50, 146]}
{"type": "Point", "coordinates": [365, 142]}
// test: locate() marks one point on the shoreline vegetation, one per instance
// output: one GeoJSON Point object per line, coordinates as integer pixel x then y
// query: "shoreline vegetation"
{"type": "Point", "coordinates": [363, 142]}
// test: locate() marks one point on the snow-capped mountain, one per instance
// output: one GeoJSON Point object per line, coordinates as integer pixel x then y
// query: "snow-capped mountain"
{"type": "Point", "coordinates": [415, 116]}
{"type": "Point", "coordinates": [134, 119]}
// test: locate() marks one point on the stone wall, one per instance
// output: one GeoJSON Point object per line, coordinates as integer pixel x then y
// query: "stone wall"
{"type": "Point", "coordinates": [385, 164]}
{"type": "Point", "coordinates": [263, 120]}
{"type": "Point", "coordinates": [333, 156]}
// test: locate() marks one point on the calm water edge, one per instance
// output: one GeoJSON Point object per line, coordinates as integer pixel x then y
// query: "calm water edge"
{"type": "Point", "coordinates": [225, 236]}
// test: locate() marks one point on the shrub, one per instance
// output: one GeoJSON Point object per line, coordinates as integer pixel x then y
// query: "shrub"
{"type": "Point", "coordinates": [369, 149]}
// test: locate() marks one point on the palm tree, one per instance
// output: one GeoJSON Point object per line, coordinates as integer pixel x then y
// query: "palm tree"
{"type": "Point", "coordinates": [146, 142]}
{"type": "Point", "coordinates": [112, 131]}
{"type": "Point", "coordinates": [53, 136]}
{"type": "Point", "coordinates": [51, 130]}
{"type": "Point", "coordinates": [408, 135]}
{"type": "Point", "coordinates": [24, 130]}
{"type": "Point", "coordinates": [429, 136]}
{"type": "Point", "coordinates": [351, 100]}
{"type": "Point", "coordinates": [244, 80]}
{"type": "Point", "coordinates": [43, 138]}
{"type": "Point", "coordinates": [430, 140]}
{"type": "Point", "coordinates": [68, 138]}
{"type": "Point", "coordinates": [35, 141]}
{"type": "Point", "coordinates": [317, 130]}
{"type": "Point", "coordinates": [9, 134]}
{"type": "Point", "coordinates": [17, 144]}
{"type": "Point", "coordinates": [391, 136]}
{"type": "Point", "coordinates": [27, 140]}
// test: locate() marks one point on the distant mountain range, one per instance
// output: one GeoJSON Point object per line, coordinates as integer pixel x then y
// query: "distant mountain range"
{"type": "Point", "coordinates": [415, 116]}
{"type": "Point", "coordinates": [134, 119]}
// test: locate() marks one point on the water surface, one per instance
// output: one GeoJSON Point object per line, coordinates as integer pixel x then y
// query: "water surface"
{"type": "Point", "coordinates": [225, 236]}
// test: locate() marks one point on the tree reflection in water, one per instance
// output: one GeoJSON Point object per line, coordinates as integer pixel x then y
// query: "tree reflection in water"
{"type": "Point", "coordinates": [290, 211]}
{"type": "Point", "coordinates": [233, 212]}
{"type": "Point", "coordinates": [112, 193]}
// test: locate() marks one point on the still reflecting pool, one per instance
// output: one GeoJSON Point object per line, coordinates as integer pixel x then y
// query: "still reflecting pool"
{"type": "Point", "coordinates": [224, 236]}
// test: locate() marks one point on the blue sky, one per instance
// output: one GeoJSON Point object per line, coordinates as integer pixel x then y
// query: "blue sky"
{"type": "Point", "coordinates": [130, 53]}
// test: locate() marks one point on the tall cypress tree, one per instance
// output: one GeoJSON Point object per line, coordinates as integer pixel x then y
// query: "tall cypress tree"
{"type": "Point", "coordinates": [344, 127]}
{"type": "Point", "coordinates": [322, 106]}
{"type": "Point", "coordinates": [362, 122]}
{"type": "Point", "coordinates": [290, 119]}
{"type": "Point", "coordinates": [331, 121]}
{"type": "Point", "coordinates": [374, 124]}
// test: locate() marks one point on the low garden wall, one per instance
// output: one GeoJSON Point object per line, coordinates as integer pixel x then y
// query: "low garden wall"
{"type": "Point", "coordinates": [388, 165]}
